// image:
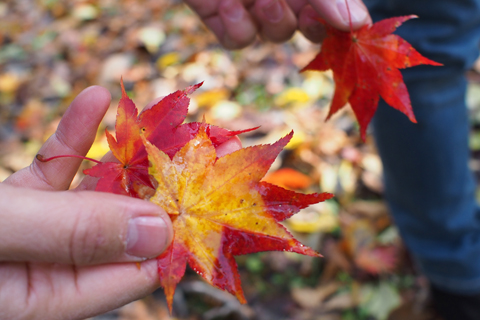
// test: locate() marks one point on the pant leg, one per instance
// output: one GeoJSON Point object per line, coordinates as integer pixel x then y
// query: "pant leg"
{"type": "Point", "coordinates": [428, 184]}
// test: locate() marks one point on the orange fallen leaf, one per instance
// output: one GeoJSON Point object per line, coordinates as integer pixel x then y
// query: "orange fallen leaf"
{"type": "Point", "coordinates": [288, 178]}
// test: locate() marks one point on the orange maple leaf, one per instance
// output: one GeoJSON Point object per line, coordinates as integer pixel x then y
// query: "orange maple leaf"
{"type": "Point", "coordinates": [219, 208]}
{"type": "Point", "coordinates": [365, 67]}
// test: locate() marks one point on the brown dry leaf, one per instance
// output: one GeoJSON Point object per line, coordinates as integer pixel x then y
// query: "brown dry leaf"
{"type": "Point", "coordinates": [368, 209]}
{"type": "Point", "coordinates": [310, 298]}
{"type": "Point", "coordinates": [360, 243]}
{"type": "Point", "coordinates": [372, 174]}
{"type": "Point", "coordinates": [319, 218]}
{"type": "Point", "coordinates": [378, 259]}
{"type": "Point", "coordinates": [340, 301]}
{"type": "Point", "coordinates": [335, 259]}
{"type": "Point", "coordinates": [328, 177]}
{"type": "Point", "coordinates": [359, 234]}
{"type": "Point", "coordinates": [347, 178]}
{"type": "Point", "coordinates": [375, 211]}
{"type": "Point", "coordinates": [373, 182]}
{"type": "Point", "coordinates": [331, 139]}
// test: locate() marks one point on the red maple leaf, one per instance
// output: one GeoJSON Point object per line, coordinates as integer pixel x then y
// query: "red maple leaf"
{"type": "Point", "coordinates": [161, 124]}
{"type": "Point", "coordinates": [220, 208]}
{"type": "Point", "coordinates": [365, 67]}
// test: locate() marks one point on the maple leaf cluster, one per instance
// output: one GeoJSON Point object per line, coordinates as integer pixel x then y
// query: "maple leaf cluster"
{"type": "Point", "coordinates": [219, 207]}
{"type": "Point", "coordinates": [365, 67]}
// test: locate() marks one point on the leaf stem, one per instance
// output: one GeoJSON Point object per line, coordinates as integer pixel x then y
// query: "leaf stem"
{"type": "Point", "coordinates": [349, 17]}
{"type": "Point", "coordinates": [41, 158]}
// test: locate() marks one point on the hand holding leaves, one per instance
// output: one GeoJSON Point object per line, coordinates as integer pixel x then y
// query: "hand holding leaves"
{"type": "Point", "coordinates": [58, 248]}
{"type": "Point", "coordinates": [219, 207]}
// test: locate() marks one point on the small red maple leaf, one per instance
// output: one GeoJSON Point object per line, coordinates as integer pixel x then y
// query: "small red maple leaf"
{"type": "Point", "coordinates": [365, 67]}
{"type": "Point", "coordinates": [163, 125]}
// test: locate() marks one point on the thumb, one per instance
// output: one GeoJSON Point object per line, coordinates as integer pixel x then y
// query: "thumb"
{"type": "Point", "coordinates": [338, 14]}
{"type": "Point", "coordinates": [80, 228]}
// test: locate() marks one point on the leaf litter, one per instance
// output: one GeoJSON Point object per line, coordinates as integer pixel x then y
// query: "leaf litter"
{"type": "Point", "coordinates": [51, 50]}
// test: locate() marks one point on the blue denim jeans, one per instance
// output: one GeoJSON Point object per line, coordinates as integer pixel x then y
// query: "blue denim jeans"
{"type": "Point", "coordinates": [428, 184]}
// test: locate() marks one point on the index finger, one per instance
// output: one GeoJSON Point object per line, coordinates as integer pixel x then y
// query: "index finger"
{"type": "Point", "coordinates": [229, 20]}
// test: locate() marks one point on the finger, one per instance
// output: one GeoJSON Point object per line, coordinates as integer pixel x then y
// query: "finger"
{"type": "Point", "coordinates": [309, 25]}
{"type": "Point", "coordinates": [229, 20]}
{"type": "Point", "coordinates": [74, 136]}
{"type": "Point", "coordinates": [297, 5]}
{"type": "Point", "coordinates": [80, 228]}
{"type": "Point", "coordinates": [337, 14]}
{"type": "Point", "coordinates": [58, 292]}
{"type": "Point", "coordinates": [233, 26]}
{"type": "Point", "coordinates": [203, 8]}
{"type": "Point", "coordinates": [276, 20]}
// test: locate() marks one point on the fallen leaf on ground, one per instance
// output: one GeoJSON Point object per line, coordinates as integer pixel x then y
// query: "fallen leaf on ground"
{"type": "Point", "coordinates": [311, 298]}
{"type": "Point", "coordinates": [288, 178]}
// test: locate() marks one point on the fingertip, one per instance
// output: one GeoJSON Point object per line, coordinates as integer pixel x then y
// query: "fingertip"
{"type": "Point", "coordinates": [276, 20]}
{"type": "Point", "coordinates": [97, 88]}
{"type": "Point", "coordinates": [239, 28]}
{"type": "Point", "coordinates": [117, 229]}
{"type": "Point", "coordinates": [310, 26]}
{"type": "Point", "coordinates": [89, 106]}
{"type": "Point", "coordinates": [353, 11]}
{"type": "Point", "coordinates": [273, 11]}
{"type": "Point", "coordinates": [148, 236]}
{"type": "Point", "coordinates": [340, 14]}
{"type": "Point", "coordinates": [96, 93]}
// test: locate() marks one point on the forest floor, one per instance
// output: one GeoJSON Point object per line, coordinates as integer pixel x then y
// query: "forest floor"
{"type": "Point", "coordinates": [50, 50]}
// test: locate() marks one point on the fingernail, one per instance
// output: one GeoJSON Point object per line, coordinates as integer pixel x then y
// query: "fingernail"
{"type": "Point", "coordinates": [273, 11]}
{"type": "Point", "coordinates": [232, 10]}
{"type": "Point", "coordinates": [358, 12]}
{"type": "Point", "coordinates": [147, 237]}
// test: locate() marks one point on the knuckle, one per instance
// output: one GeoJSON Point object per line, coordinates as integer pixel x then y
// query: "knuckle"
{"type": "Point", "coordinates": [88, 243]}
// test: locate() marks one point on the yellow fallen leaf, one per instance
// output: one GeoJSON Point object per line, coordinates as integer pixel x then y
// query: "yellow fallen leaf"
{"type": "Point", "coordinates": [211, 97]}
{"type": "Point", "coordinates": [291, 96]}
{"type": "Point", "coordinates": [167, 60]}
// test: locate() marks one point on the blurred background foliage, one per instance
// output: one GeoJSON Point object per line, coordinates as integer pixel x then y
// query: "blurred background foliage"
{"type": "Point", "coordinates": [50, 50]}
